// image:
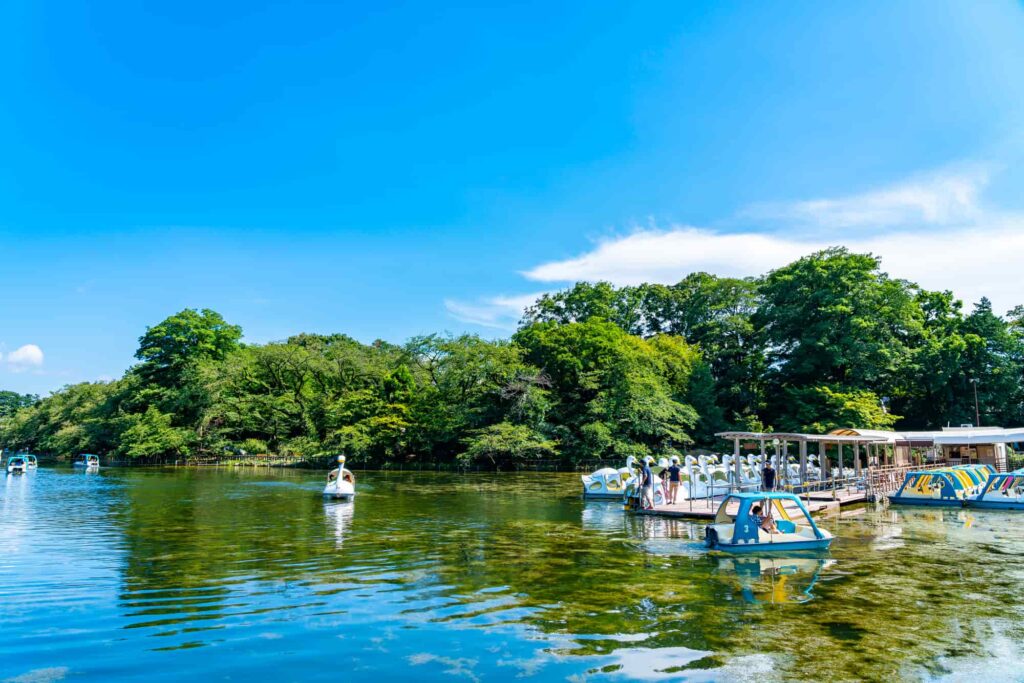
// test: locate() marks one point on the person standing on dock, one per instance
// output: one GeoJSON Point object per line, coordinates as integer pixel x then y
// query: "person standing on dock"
{"type": "Point", "coordinates": [673, 480]}
{"type": "Point", "coordinates": [768, 476]}
{"type": "Point", "coordinates": [646, 486]}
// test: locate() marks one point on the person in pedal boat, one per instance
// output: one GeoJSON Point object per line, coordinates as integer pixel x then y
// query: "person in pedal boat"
{"type": "Point", "coordinates": [763, 521]}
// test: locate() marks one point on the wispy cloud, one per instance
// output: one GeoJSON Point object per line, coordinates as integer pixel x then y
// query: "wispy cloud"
{"type": "Point", "coordinates": [949, 197]}
{"type": "Point", "coordinates": [498, 312]}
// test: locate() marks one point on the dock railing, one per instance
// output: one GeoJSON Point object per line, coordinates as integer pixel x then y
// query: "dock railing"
{"type": "Point", "coordinates": [838, 487]}
{"type": "Point", "coordinates": [882, 481]}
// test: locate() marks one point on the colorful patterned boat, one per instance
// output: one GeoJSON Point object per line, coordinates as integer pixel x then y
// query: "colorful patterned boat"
{"type": "Point", "coordinates": [946, 486]}
{"type": "Point", "coordinates": [1000, 492]}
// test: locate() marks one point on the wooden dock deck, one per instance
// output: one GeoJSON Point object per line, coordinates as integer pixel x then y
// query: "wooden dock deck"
{"type": "Point", "coordinates": [817, 502]}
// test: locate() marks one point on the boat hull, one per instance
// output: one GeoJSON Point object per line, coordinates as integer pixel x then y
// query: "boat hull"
{"type": "Point", "coordinates": [344, 492]}
{"type": "Point", "coordinates": [784, 546]}
{"type": "Point", "coordinates": [934, 502]}
{"type": "Point", "coordinates": [994, 505]}
{"type": "Point", "coordinates": [603, 495]}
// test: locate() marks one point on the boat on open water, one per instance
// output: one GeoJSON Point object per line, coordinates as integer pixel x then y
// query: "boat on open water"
{"type": "Point", "coordinates": [17, 464]}
{"type": "Point", "coordinates": [736, 528]}
{"type": "Point", "coordinates": [31, 462]}
{"type": "Point", "coordinates": [341, 483]}
{"type": "Point", "coordinates": [87, 461]}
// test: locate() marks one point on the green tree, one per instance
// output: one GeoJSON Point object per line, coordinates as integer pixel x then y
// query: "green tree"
{"type": "Point", "coordinates": [612, 392]}
{"type": "Point", "coordinates": [833, 319]}
{"type": "Point", "coordinates": [167, 350]}
{"type": "Point", "coordinates": [504, 444]}
{"type": "Point", "coordinates": [11, 402]}
{"type": "Point", "coordinates": [150, 435]}
{"type": "Point", "coordinates": [820, 409]}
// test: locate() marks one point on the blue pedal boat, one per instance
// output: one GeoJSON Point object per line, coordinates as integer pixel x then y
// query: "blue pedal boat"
{"type": "Point", "coordinates": [736, 530]}
{"type": "Point", "coordinates": [1001, 492]}
{"type": "Point", "coordinates": [87, 461]}
{"type": "Point", "coordinates": [16, 464]}
{"type": "Point", "coordinates": [946, 486]}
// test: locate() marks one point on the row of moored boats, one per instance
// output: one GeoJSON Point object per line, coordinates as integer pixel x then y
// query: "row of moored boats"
{"type": "Point", "coordinates": [776, 521]}
{"type": "Point", "coordinates": [764, 521]}
{"type": "Point", "coordinates": [975, 486]}
{"type": "Point", "coordinates": [706, 475]}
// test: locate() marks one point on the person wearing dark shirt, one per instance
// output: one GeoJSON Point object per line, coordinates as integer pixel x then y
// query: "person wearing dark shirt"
{"type": "Point", "coordinates": [768, 477]}
{"type": "Point", "coordinates": [674, 472]}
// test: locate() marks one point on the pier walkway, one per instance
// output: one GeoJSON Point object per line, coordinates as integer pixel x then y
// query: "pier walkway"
{"type": "Point", "coordinates": [705, 508]}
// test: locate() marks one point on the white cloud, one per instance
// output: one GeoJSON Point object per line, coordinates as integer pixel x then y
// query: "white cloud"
{"type": "Point", "coordinates": [667, 255]}
{"type": "Point", "coordinates": [499, 312]}
{"type": "Point", "coordinates": [25, 357]}
{"type": "Point", "coordinates": [933, 232]}
{"type": "Point", "coordinates": [937, 199]}
{"type": "Point", "coordinates": [973, 261]}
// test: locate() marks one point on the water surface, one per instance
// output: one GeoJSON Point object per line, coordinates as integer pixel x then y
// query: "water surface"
{"type": "Point", "coordinates": [235, 574]}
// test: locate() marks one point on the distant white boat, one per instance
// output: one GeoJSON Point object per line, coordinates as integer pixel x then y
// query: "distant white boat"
{"type": "Point", "coordinates": [31, 462]}
{"type": "Point", "coordinates": [88, 461]}
{"type": "Point", "coordinates": [341, 483]}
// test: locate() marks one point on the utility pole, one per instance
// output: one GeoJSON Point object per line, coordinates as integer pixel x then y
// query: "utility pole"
{"type": "Point", "coordinates": [977, 415]}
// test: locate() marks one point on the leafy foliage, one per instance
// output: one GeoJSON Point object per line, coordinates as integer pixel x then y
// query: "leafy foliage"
{"type": "Point", "coordinates": [595, 371]}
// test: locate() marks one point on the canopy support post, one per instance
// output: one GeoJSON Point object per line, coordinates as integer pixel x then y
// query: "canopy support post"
{"type": "Point", "coordinates": [736, 462]}
{"type": "Point", "coordinates": [803, 463]}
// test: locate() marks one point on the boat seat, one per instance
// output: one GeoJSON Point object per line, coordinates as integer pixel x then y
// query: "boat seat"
{"type": "Point", "coordinates": [785, 526]}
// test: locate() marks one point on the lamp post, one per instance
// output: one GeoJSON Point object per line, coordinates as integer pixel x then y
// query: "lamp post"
{"type": "Point", "coordinates": [977, 414]}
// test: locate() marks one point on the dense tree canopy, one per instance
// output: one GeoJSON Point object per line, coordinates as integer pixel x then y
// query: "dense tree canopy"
{"type": "Point", "coordinates": [595, 371]}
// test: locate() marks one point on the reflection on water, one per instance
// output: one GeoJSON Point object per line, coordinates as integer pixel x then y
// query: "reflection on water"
{"type": "Point", "coordinates": [774, 579]}
{"type": "Point", "coordinates": [214, 574]}
{"type": "Point", "coordinates": [339, 517]}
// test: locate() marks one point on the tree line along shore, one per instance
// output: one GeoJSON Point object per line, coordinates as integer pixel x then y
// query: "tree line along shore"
{"type": "Point", "coordinates": [594, 372]}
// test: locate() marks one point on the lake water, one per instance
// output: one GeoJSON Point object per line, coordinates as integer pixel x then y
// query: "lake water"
{"type": "Point", "coordinates": [239, 575]}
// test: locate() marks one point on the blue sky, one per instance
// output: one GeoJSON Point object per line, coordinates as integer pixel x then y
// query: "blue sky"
{"type": "Point", "coordinates": [391, 169]}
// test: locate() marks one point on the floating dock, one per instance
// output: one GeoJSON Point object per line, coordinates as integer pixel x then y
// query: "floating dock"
{"type": "Point", "coordinates": [705, 508]}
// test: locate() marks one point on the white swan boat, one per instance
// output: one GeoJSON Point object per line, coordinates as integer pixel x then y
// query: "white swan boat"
{"type": "Point", "coordinates": [609, 482]}
{"type": "Point", "coordinates": [87, 461]}
{"type": "Point", "coordinates": [341, 483]}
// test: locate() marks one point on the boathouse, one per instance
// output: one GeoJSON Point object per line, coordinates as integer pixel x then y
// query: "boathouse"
{"type": "Point", "coordinates": [952, 445]}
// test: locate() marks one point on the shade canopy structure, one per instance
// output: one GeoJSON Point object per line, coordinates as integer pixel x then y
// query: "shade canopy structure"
{"type": "Point", "coordinates": [823, 440]}
{"type": "Point", "coordinates": [987, 445]}
{"type": "Point", "coordinates": [806, 438]}
{"type": "Point", "coordinates": [959, 436]}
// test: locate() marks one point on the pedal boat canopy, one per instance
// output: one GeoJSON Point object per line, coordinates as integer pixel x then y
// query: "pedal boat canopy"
{"type": "Point", "coordinates": [1001, 492]}
{"type": "Point", "coordinates": [949, 486]}
{"type": "Point", "coordinates": [736, 530]}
